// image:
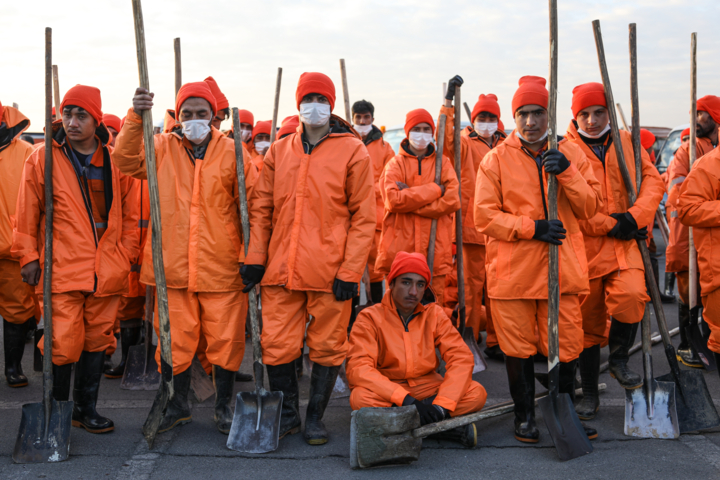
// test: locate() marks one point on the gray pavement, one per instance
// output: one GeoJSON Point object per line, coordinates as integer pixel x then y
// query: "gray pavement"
{"type": "Point", "coordinates": [197, 450]}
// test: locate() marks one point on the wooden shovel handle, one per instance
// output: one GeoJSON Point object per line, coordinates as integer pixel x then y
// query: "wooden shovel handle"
{"type": "Point", "coordinates": [49, 213]}
{"type": "Point", "coordinates": [440, 136]}
{"type": "Point", "coordinates": [459, 259]}
{"type": "Point", "coordinates": [276, 105]}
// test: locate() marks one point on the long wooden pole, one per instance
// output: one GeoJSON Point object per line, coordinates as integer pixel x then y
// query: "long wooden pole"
{"type": "Point", "coordinates": [178, 68]}
{"type": "Point", "coordinates": [56, 89]}
{"type": "Point", "coordinates": [346, 95]}
{"type": "Point", "coordinates": [440, 136]}
{"type": "Point", "coordinates": [467, 110]}
{"type": "Point", "coordinates": [692, 270]}
{"type": "Point", "coordinates": [459, 257]}
{"type": "Point", "coordinates": [622, 117]}
{"type": "Point", "coordinates": [276, 105]}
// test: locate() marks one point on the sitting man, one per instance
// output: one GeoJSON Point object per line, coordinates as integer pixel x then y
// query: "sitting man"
{"type": "Point", "coordinates": [382, 374]}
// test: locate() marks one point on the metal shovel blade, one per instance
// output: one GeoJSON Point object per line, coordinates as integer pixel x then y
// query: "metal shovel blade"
{"type": "Point", "coordinates": [699, 343]}
{"type": "Point", "coordinates": [694, 405]}
{"type": "Point", "coordinates": [479, 360]}
{"type": "Point", "coordinates": [31, 445]}
{"type": "Point", "coordinates": [650, 411]}
{"type": "Point", "coordinates": [341, 388]}
{"type": "Point", "coordinates": [565, 428]}
{"type": "Point", "coordinates": [139, 373]}
{"type": "Point", "coordinates": [383, 436]}
{"type": "Point", "coordinates": [247, 435]}
{"type": "Point", "coordinates": [201, 384]}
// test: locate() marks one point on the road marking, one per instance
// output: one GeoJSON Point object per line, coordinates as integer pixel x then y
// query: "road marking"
{"type": "Point", "coordinates": [703, 448]}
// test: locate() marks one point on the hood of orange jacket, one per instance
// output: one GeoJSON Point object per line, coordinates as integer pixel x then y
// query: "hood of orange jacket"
{"type": "Point", "coordinates": [607, 254]}
{"type": "Point", "coordinates": [381, 153]}
{"type": "Point", "coordinates": [312, 217]}
{"type": "Point", "coordinates": [511, 193]}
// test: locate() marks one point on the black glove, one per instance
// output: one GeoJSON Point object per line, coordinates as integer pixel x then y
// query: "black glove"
{"type": "Point", "coordinates": [626, 227]}
{"type": "Point", "coordinates": [344, 290]}
{"type": "Point", "coordinates": [555, 162]}
{"type": "Point", "coordinates": [454, 81]}
{"type": "Point", "coordinates": [549, 231]}
{"type": "Point", "coordinates": [428, 413]}
{"type": "Point", "coordinates": [641, 234]}
{"type": "Point", "coordinates": [251, 276]}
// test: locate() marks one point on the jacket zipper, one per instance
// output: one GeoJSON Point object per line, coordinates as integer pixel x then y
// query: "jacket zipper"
{"type": "Point", "coordinates": [542, 181]}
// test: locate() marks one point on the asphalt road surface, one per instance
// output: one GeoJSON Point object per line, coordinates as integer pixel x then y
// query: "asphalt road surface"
{"type": "Point", "coordinates": [198, 450]}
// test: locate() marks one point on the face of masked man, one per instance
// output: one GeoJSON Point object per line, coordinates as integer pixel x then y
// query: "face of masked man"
{"type": "Point", "coordinates": [314, 110]}
{"type": "Point", "coordinates": [195, 116]}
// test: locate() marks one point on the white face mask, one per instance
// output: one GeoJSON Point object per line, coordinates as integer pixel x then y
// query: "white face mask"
{"type": "Point", "coordinates": [245, 135]}
{"type": "Point", "coordinates": [196, 130]}
{"type": "Point", "coordinates": [261, 147]}
{"type": "Point", "coordinates": [314, 114]}
{"type": "Point", "coordinates": [363, 129]}
{"type": "Point", "coordinates": [587, 135]}
{"type": "Point", "coordinates": [544, 136]}
{"type": "Point", "coordinates": [419, 140]}
{"type": "Point", "coordinates": [485, 129]}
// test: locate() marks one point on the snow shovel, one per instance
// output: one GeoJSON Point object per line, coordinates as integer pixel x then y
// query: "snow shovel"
{"type": "Point", "coordinates": [44, 433]}
{"type": "Point", "coordinates": [256, 424]}
{"type": "Point", "coordinates": [141, 370]}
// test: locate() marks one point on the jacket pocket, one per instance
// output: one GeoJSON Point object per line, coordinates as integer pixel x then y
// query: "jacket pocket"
{"type": "Point", "coordinates": [504, 259]}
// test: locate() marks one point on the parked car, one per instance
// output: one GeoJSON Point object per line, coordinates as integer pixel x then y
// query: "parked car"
{"type": "Point", "coordinates": [669, 147]}
{"type": "Point", "coordinates": [661, 134]}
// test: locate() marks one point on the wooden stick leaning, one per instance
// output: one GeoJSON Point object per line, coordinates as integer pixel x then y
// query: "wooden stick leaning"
{"type": "Point", "coordinates": [622, 117]}
{"type": "Point", "coordinates": [56, 90]}
{"type": "Point", "coordinates": [440, 136]}
{"type": "Point", "coordinates": [276, 105]}
{"type": "Point", "coordinates": [459, 259]}
{"type": "Point", "coordinates": [692, 270]}
{"type": "Point", "coordinates": [178, 67]}
{"type": "Point", "coordinates": [467, 110]}
{"type": "Point", "coordinates": [346, 96]}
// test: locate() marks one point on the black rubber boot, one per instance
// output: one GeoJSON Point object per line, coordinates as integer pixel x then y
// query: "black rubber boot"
{"type": "Point", "coordinates": [283, 378]}
{"type": "Point", "coordinates": [465, 436]}
{"type": "Point", "coordinates": [243, 377]}
{"type": "Point", "coordinates": [88, 371]}
{"type": "Point", "coordinates": [14, 344]}
{"type": "Point", "coordinates": [685, 351]}
{"type": "Point", "coordinates": [376, 292]}
{"type": "Point", "coordinates": [355, 303]}
{"type": "Point", "coordinates": [31, 326]}
{"type": "Point", "coordinates": [522, 390]}
{"type": "Point", "coordinates": [299, 364]}
{"type": "Point", "coordinates": [61, 382]}
{"type": "Point", "coordinates": [588, 407]}
{"type": "Point", "coordinates": [494, 353]}
{"type": "Point", "coordinates": [224, 381]}
{"type": "Point", "coordinates": [107, 363]}
{"type": "Point", "coordinates": [37, 355]}
{"type": "Point", "coordinates": [669, 284]}
{"type": "Point", "coordinates": [567, 385]}
{"type": "Point", "coordinates": [129, 336]}
{"type": "Point", "coordinates": [322, 381]}
{"type": "Point", "coordinates": [717, 360]}
{"type": "Point", "coordinates": [621, 338]}
{"type": "Point", "coordinates": [178, 408]}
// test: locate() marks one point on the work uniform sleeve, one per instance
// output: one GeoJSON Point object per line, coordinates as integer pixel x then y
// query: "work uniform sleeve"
{"type": "Point", "coordinates": [409, 199]}
{"type": "Point", "coordinates": [580, 186]}
{"type": "Point", "coordinates": [450, 201]}
{"type": "Point", "coordinates": [652, 190]}
{"type": "Point", "coordinates": [29, 208]}
{"type": "Point", "coordinates": [261, 208]}
{"type": "Point", "coordinates": [362, 362]}
{"type": "Point", "coordinates": [129, 153]}
{"type": "Point", "coordinates": [130, 193]}
{"type": "Point", "coordinates": [698, 204]}
{"type": "Point", "coordinates": [458, 362]}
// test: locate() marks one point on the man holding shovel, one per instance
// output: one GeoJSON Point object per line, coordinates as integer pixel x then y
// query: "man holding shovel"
{"type": "Point", "coordinates": [392, 358]}
{"type": "Point", "coordinates": [94, 239]}
{"type": "Point", "coordinates": [312, 220]}
{"type": "Point", "coordinates": [615, 266]}
{"type": "Point", "coordinates": [202, 243]}
{"type": "Point", "coordinates": [511, 210]}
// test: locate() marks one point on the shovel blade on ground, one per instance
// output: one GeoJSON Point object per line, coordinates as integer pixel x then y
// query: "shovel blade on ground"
{"type": "Point", "coordinates": [246, 435]}
{"type": "Point", "coordinates": [137, 375]}
{"type": "Point", "coordinates": [566, 431]}
{"type": "Point", "coordinates": [651, 414]}
{"type": "Point", "coordinates": [31, 445]}
{"type": "Point", "coordinates": [694, 405]}
{"type": "Point", "coordinates": [480, 364]}
{"type": "Point", "coordinates": [201, 384]}
{"type": "Point", "coordinates": [383, 436]}
{"type": "Point", "coordinates": [700, 344]}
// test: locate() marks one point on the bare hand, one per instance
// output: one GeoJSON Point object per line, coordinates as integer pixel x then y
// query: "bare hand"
{"type": "Point", "coordinates": [143, 100]}
{"type": "Point", "coordinates": [30, 273]}
{"type": "Point", "coordinates": [401, 185]}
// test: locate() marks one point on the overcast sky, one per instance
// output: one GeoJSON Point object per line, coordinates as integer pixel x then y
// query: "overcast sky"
{"type": "Point", "coordinates": [398, 52]}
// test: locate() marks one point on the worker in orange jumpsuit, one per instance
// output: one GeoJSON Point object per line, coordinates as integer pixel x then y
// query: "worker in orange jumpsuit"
{"type": "Point", "coordinates": [260, 143]}
{"type": "Point", "coordinates": [113, 124]}
{"type": "Point", "coordinates": [511, 210]}
{"type": "Point", "coordinates": [413, 200]}
{"type": "Point", "coordinates": [392, 359]}
{"type": "Point", "coordinates": [93, 242]}
{"type": "Point", "coordinates": [699, 207]}
{"type": "Point", "coordinates": [17, 299]}
{"type": "Point", "coordinates": [202, 242]}
{"type": "Point", "coordinates": [221, 101]}
{"type": "Point", "coordinates": [312, 221]}
{"type": "Point", "coordinates": [381, 153]}
{"type": "Point", "coordinates": [615, 266]}
{"type": "Point", "coordinates": [289, 125]}
{"type": "Point", "coordinates": [475, 142]}
{"type": "Point", "coordinates": [677, 253]}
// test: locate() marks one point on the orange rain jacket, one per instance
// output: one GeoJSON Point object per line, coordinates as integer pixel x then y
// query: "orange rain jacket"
{"type": "Point", "coordinates": [607, 254]}
{"type": "Point", "coordinates": [509, 198]}
{"type": "Point", "coordinates": [472, 150]}
{"type": "Point", "coordinates": [409, 212]}
{"type": "Point", "coordinates": [381, 153]}
{"type": "Point", "coordinates": [312, 215]}
{"type": "Point", "coordinates": [384, 350]}
{"type": "Point", "coordinates": [12, 160]}
{"type": "Point", "coordinates": [677, 253]}
{"type": "Point", "coordinates": [699, 207]}
{"type": "Point", "coordinates": [199, 206]}
{"type": "Point", "coordinates": [81, 262]}
{"type": "Point", "coordinates": [140, 190]}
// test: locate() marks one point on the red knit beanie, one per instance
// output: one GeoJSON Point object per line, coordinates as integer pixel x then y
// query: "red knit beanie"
{"type": "Point", "coordinates": [647, 139]}
{"type": "Point", "coordinates": [262, 127]}
{"type": "Point", "coordinates": [683, 134]}
{"type": "Point", "coordinates": [289, 125]}
{"type": "Point", "coordinates": [416, 116]}
{"type": "Point", "coordinates": [112, 121]}
{"type": "Point", "coordinates": [220, 99]}
{"type": "Point", "coordinates": [587, 95]}
{"type": "Point", "coordinates": [711, 105]}
{"type": "Point", "coordinates": [246, 117]}
{"type": "Point", "coordinates": [195, 90]}
{"type": "Point", "coordinates": [486, 103]}
{"type": "Point", "coordinates": [314, 82]}
{"type": "Point", "coordinates": [532, 91]}
{"type": "Point", "coordinates": [84, 97]}
{"type": "Point", "coordinates": [409, 263]}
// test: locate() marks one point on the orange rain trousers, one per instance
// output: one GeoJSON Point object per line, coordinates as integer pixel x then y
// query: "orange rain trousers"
{"type": "Point", "coordinates": [491, 340]}
{"type": "Point", "coordinates": [18, 302]}
{"type": "Point", "coordinates": [374, 275]}
{"type": "Point", "coordinates": [474, 273]}
{"type": "Point", "coordinates": [218, 316]}
{"type": "Point", "coordinates": [473, 400]}
{"type": "Point", "coordinates": [285, 316]}
{"type": "Point", "coordinates": [711, 314]}
{"type": "Point", "coordinates": [81, 322]}
{"type": "Point", "coordinates": [516, 320]}
{"type": "Point", "coordinates": [620, 294]}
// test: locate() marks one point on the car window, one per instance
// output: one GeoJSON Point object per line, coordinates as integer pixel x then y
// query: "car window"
{"type": "Point", "coordinates": [668, 150]}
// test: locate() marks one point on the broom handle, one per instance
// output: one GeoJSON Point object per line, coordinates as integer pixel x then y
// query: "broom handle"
{"type": "Point", "coordinates": [438, 180]}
